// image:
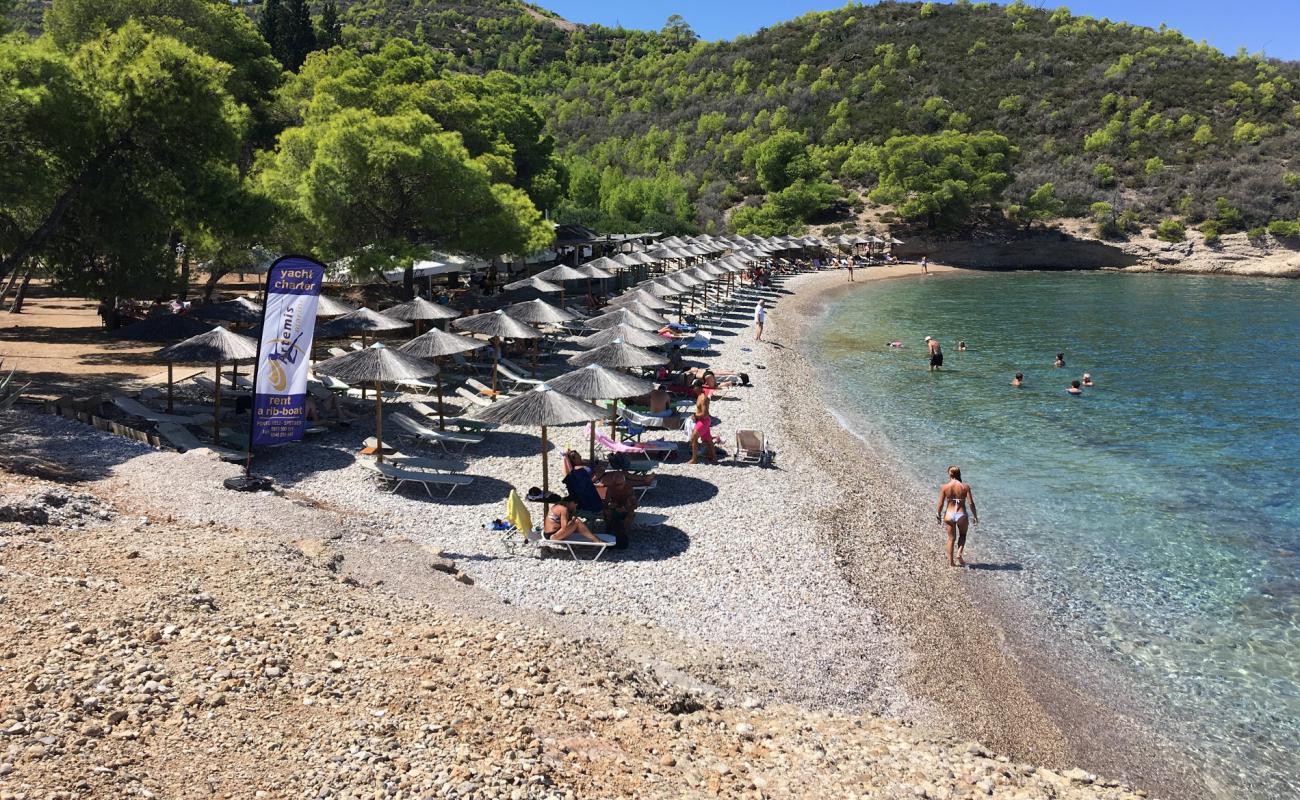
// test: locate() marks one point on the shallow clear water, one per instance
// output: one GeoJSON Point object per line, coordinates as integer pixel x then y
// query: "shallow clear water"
{"type": "Point", "coordinates": [1160, 511]}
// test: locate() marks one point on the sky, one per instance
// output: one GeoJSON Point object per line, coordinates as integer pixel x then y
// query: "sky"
{"type": "Point", "coordinates": [1258, 25]}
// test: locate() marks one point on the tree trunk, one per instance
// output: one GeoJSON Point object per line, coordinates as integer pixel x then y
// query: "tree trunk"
{"type": "Point", "coordinates": [185, 274]}
{"type": "Point", "coordinates": [408, 282]}
{"type": "Point", "coordinates": [17, 307]}
{"type": "Point", "coordinates": [38, 237]}
{"type": "Point", "coordinates": [13, 278]}
{"type": "Point", "coordinates": [211, 285]}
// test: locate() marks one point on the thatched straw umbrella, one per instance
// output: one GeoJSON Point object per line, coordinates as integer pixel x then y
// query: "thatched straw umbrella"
{"type": "Point", "coordinates": [622, 316]}
{"type": "Point", "coordinates": [559, 274]}
{"type": "Point", "coordinates": [240, 311]}
{"type": "Point", "coordinates": [545, 407]}
{"type": "Point", "coordinates": [362, 321]}
{"type": "Point", "coordinates": [629, 334]}
{"type": "Point", "coordinates": [600, 383]}
{"type": "Point", "coordinates": [378, 365]}
{"type": "Point", "coordinates": [436, 344]}
{"type": "Point", "coordinates": [217, 346]}
{"type": "Point", "coordinates": [620, 355]}
{"type": "Point", "coordinates": [647, 299]}
{"type": "Point", "coordinates": [642, 310]}
{"type": "Point", "coordinates": [328, 307]}
{"type": "Point", "coordinates": [162, 328]}
{"type": "Point", "coordinates": [498, 325]}
{"type": "Point", "coordinates": [419, 310]}
{"type": "Point", "coordinates": [536, 284]}
{"type": "Point", "coordinates": [539, 312]}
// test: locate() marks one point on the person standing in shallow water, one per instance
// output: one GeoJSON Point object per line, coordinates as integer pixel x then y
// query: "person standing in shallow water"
{"type": "Point", "coordinates": [925, 265]}
{"type": "Point", "coordinates": [936, 353]}
{"type": "Point", "coordinates": [954, 497]}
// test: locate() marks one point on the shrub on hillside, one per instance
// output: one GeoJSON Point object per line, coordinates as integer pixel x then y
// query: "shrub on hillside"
{"type": "Point", "coordinates": [1171, 230]}
{"type": "Point", "coordinates": [1284, 228]}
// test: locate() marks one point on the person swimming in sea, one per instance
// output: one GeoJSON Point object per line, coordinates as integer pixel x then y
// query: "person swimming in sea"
{"type": "Point", "coordinates": [1060, 360]}
{"type": "Point", "coordinates": [961, 346]}
{"type": "Point", "coordinates": [1075, 388]}
{"type": "Point", "coordinates": [954, 497]}
{"type": "Point", "coordinates": [1019, 380]}
{"type": "Point", "coordinates": [1087, 379]}
{"type": "Point", "coordinates": [896, 343]}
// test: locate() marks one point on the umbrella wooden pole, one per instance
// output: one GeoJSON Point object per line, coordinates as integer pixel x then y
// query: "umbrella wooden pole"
{"type": "Point", "coordinates": [613, 421]}
{"type": "Point", "coordinates": [442, 424]}
{"type": "Point", "coordinates": [591, 450]}
{"type": "Point", "coordinates": [169, 387]}
{"type": "Point", "coordinates": [496, 356]}
{"type": "Point", "coordinates": [216, 411]}
{"type": "Point", "coordinates": [379, 424]}
{"type": "Point", "coordinates": [546, 476]}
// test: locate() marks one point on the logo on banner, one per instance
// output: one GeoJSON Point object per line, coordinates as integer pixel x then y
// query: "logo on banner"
{"type": "Point", "coordinates": [280, 402]}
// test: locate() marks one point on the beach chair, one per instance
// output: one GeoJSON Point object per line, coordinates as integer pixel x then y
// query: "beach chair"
{"type": "Point", "coordinates": [475, 399]}
{"type": "Point", "coordinates": [337, 351]}
{"type": "Point", "coordinates": [428, 435]}
{"type": "Point", "coordinates": [483, 389]}
{"type": "Point", "coordinates": [395, 477]}
{"type": "Point", "coordinates": [417, 386]}
{"type": "Point", "coordinates": [472, 367]}
{"type": "Point", "coordinates": [460, 423]}
{"type": "Point", "coordinates": [636, 423]}
{"type": "Point", "coordinates": [516, 380]}
{"type": "Point", "coordinates": [179, 437]}
{"type": "Point", "coordinates": [751, 447]}
{"type": "Point", "coordinates": [518, 529]}
{"type": "Point", "coordinates": [660, 448]}
{"type": "Point", "coordinates": [137, 409]}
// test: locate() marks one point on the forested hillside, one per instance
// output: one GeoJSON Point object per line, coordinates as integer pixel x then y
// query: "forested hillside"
{"type": "Point", "coordinates": [946, 113]}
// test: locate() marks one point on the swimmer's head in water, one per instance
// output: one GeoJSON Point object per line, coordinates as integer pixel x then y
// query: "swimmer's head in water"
{"type": "Point", "coordinates": [1020, 376]}
{"type": "Point", "coordinates": [954, 473]}
{"type": "Point", "coordinates": [1074, 384]}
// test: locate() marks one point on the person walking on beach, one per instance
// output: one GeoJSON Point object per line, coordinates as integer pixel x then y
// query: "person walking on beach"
{"type": "Point", "coordinates": [925, 265]}
{"type": "Point", "coordinates": [954, 497]}
{"type": "Point", "coordinates": [760, 317]}
{"type": "Point", "coordinates": [702, 427]}
{"type": "Point", "coordinates": [936, 353]}
{"type": "Point", "coordinates": [849, 263]}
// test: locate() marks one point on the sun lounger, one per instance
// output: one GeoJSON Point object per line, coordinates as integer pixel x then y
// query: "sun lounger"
{"type": "Point", "coordinates": [421, 463]}
{"type": "Point", "coordinates": [660, 448]}
{"type": "Point", "coordinates": [751, 447]}
{"type": "Point", "coordinates": [472, 367]}
{"type": "Point", "coordinates": [517, 381]}
{"type": "Point", "coordinates": [476, 399]}
{"type": "Point", "coordinates": [425, 434]}
{"type": "Point", "coordinates": [137, 409]}
{"type": "Point", "coordinates": [481, 388]}
{"type": "Point", "coordinates": [206, 384]}
{"type": "Point", "coordinates": [337, 351]}
{"type": "Point", "coordinates": [355, 394]}
{"type": "Point", "coordinates": [180, 437]}
{"type": "Point", "coordinates": [519, 529]}
{"type": "Point", "coordinates": [417, 386]}
{"type": "Point", "coordinates": [460, 423]}
{"type": "Point", "coordinates": [395, 477]}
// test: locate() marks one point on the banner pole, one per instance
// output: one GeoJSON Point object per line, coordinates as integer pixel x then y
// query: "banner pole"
{"type": "Point", "coordinates": [257, 365]}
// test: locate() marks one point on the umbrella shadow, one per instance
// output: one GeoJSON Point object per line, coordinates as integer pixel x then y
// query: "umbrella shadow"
{"type": "Point", "coordinates": [509, 443]}
{"type": "Point", "coordinates": [653, 544]}
{"type": "Point", "coordinates": [680, 490]}
{"type": "Point", "coordinates": [484, 489]}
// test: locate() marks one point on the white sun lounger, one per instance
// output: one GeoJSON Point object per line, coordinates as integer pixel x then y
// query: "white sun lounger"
{"type": "Point", "coordinates": [395, 477]}
{"type": "Point", "coordinates": [476, 399]}
{"type": "Point", "coordinates": [417, 386]}
{"type": "Point", "coordinates": [429, 435]}
{"type": "Point", "coordinates": [518, 381]}
{"type": "Point", "coordinates": [419, 462]}
{"type": "Point", "coordinates": [337, 351]}
{"type": "Point", "coordinates": [355, 394]}
{"type": "Point", "coordinates": [483, 389]}
{"type": "Point", "coordinates": [461, 423]}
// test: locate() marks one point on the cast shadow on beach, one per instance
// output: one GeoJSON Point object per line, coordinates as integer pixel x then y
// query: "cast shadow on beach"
{"type": "Point", "coordinates": [1009, 566]}
{"type": "Point", "coordinates": [645, 544]}
{"type": "Point", "coordinates": [680, 490]}
{"type": "Point", "coordinates": [300, 461]}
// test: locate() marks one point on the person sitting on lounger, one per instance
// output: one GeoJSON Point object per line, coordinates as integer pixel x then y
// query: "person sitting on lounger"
{"type": "Point", "coordinates": [659, 401]}
{"type": "Point", "coordinates": [620, 507]}
{"type": "Point", "coordinates": [561, 523]}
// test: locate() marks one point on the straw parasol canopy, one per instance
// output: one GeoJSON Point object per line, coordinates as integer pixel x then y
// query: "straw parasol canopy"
{"type": "Point", "coordinates": [601, 383]}
{"type": "Point", "coordinates": [500, 325]}
{"type": "Point", "coordinates": [214, 347]}
{"type": "Point", "coordinates": [420, 309]}
{"type": "Point", "coordinates": [622, 316]}
{"type": "Point", "coordinates": [377, 365]}
{"type": "Point", "coordinates": [537, 284]}
{"type": "Point", "coordinates": [542, 406]}
{"type": "Point", "coordinates": [641, 310]}
{"type": "Point", "coordinates": [240, 311]}
{"type": "Point", "coordinates": [633, 336]}
{"type": "Point", "coordinates": [662, 287]}
{"type": "Point", "coordinates": [361, 321]}
{"type": "Point", "coordinates": [435, 344]}
{"type": "Point", "coordinates": [539, 312]}
{"type": "Point", "coordinates": [327, 307]}
{"type": "Point", "coordinates": [161, 328]}
{"type": "Point", "coordinates": [620, 355]}
{"type": "Point", "coordinates": [600, 267]}
{"type": "Point", "coordinates": [645, 298]}
{"type": "Point", "coordinates": [561, 272]}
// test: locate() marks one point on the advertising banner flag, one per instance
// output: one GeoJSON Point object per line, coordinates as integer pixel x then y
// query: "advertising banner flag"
{"type": "Point", "coordinates": [280, 400]}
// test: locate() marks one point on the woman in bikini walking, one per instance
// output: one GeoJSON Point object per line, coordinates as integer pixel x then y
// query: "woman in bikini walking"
{"type": "Point", "coordinates": [954, 496]}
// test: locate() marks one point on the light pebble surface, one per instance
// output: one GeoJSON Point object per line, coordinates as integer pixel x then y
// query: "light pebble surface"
{"type": "Point", "coordinates": [811, 582]}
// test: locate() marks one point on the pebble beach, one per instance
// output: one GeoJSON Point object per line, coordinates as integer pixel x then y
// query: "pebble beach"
{"type": "Point", "coordinates": [814, 583]}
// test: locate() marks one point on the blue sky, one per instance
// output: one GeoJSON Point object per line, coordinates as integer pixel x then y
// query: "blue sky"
{"type": "Point", "coordinates": [1268, 25]}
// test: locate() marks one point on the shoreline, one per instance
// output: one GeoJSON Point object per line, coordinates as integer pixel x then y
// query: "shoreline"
{"type": "Point", "coordinates": [977, 651]}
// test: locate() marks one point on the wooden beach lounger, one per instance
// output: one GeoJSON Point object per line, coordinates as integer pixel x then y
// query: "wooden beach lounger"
{"type": "Point", "coordinates": [137, 409]}
{"type": "Point", "coordinates": [425, 434]}
{"type": "Point", "coordinates": [460, 423]}
{"type": "Point", "coordinates": [395, 477]}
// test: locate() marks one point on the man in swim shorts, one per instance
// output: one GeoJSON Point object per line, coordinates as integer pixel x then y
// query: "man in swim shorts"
{"type": "Point", "coordinates": [936, 353]}
{"type": "Point", "coordinates": [702, 427]}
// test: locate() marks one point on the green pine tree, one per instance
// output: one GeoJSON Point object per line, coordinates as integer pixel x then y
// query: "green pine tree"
{"type": "Point", "coordinates": [331, 30]}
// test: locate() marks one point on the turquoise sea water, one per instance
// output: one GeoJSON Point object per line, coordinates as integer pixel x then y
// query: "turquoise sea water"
{"type": "Point", "coordinates": [1159, 514]}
